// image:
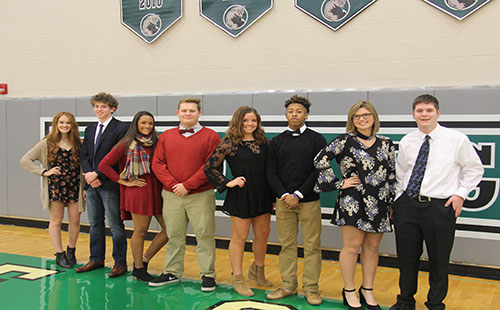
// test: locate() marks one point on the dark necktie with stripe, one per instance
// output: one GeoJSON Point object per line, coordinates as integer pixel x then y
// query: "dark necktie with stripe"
{"type": "Point", "coordinates": [99, 134]}
{"type": "Point", "coordinates": [415, 182]}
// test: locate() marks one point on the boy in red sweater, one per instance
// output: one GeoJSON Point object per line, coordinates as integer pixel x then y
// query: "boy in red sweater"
{"type": "Point", "coordinates": [188, 196]}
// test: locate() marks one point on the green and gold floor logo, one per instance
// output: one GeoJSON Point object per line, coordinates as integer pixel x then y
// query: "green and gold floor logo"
{"type": "Point", "coordinates": [26, 272]}
{"type": "Point", "coordinates": [459, 9]}
{"type": "Point", "coordinates": [249, 304]}
{"type": "Point", "coordinates": [150, 18]}
{"type": "Point", "coordinates": [332, 13]}
{"type": "Point", "coordinates": [234, 16]}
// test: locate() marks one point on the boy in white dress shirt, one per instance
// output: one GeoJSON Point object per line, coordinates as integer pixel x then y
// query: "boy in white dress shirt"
{"type": "Point", "coordinates": [436, 168]}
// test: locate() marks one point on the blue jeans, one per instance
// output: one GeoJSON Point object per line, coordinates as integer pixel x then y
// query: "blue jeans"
{"type": "Point", "coordinates": [100, 203]}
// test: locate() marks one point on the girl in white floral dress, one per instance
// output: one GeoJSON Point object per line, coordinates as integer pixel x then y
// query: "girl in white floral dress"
{"type": "Point", "coordinates": [366, 163]}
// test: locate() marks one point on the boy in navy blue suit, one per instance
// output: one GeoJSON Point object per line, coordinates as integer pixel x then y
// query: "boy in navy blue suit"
{"type": "Point", "coordinates": [102, 194]}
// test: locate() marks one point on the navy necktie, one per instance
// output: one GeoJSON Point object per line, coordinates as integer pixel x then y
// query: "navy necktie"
{"type": "Point", "coordinates": [415, 182]}
{"type": "Point", "coordinates": [96, 144]}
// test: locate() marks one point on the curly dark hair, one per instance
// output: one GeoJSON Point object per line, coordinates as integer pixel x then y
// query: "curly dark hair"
{"type": "Point", "coordinates": [104, 98]}
{"type": "Point", "coordinates": [300, 100]}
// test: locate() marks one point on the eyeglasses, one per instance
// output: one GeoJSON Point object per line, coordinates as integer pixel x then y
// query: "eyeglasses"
{"type": "Point", "coordinates": [359, 116]}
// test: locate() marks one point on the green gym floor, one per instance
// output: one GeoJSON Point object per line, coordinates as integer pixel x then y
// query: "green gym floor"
{"type": "Point", "coordinates": [38, 283]}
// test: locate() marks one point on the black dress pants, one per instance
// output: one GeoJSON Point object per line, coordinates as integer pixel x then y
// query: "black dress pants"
{"type": "Point", "coordinates": [417, 222]}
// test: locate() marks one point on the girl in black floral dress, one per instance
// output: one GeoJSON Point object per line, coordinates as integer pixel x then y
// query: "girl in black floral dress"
{"type": "Point", "coordinates": [249, 197]}
{"type": "Point", "coordinates": [64, 187]}
{"type": "Point", "coordinates": [366, 163]}
{"type": "Point", "coordinates": [59, 155]}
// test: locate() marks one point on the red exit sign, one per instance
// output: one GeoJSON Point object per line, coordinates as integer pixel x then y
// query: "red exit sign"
{"type": "Point", "coordinates": [3, 89]}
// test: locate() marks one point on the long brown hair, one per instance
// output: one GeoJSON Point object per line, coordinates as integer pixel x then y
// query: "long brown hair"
{"type": "Point", "coordinates": [132, 131]}
{"type": "Point", "coordinates": [235, 130]}
{"type": "Point", "coordinates": [55, 136]}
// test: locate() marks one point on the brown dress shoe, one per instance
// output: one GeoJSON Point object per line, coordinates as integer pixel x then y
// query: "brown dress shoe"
{"type": "Point", "coordinates": [117, 271]}
{"type": "Point", "coordinates": [280, 293]}
{"type": "Point", "coordinates": [90, 266]}
{"type": "Point", "coordinates": [313, 298]}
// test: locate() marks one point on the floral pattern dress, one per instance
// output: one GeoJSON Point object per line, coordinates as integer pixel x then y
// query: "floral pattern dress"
{"type": "Point", "coordinates": [366, 206]}
{"type": "Point", "coordinates": [64, 187]}
{"type": "Point", "coordinates": [247, 159]}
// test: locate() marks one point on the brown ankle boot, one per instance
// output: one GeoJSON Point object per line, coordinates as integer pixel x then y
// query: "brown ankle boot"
{"type": "Point", "coordinates": [256, 273]}
{"type": "Point", "coordinates": [240, 286]}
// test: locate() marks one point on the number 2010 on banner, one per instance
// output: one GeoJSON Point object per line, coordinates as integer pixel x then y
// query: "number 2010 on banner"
{"type": "Point", "coordinates": [150, 4]}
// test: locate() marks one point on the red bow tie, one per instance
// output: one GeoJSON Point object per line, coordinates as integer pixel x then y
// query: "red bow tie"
{"type": "Point", "coordinates": [182, 131]}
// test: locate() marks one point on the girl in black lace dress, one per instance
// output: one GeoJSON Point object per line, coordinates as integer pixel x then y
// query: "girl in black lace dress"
{"type": "Point", "coordinates": [366, 162]}
{"type": "Point", "coordinates": [59, 155]}
{"type": "Point", "coordinates": [249, 198]}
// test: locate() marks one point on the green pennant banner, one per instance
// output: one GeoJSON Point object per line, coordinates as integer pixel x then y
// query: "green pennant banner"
{"type": "Point", "coordinates": [332, 13]}
{"type": "Point", "coordinates": [150, 18]}
{"type": "Point", "coordinates": [234, 16]}
{"type": "Point", "coordinates": [459, 9]}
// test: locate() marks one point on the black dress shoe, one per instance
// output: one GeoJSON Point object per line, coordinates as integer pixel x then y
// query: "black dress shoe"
{"type": "Point", "coordinates": [347, 303]}
{"type": "Point", "coordinates": [62, 260]}
{"type": "Point", "coordinates": [400, 306]}
{"type": "Point", "coordinates": [362, 299]}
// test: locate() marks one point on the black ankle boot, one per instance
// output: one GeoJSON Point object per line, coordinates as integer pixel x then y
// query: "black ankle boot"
{"type": "Point", "coordinates": [141, 274]}
{"type": "Point", "coordinates": [70, 254]}
{"type": "Point", "coordinates": [62, 260]}
{"type": "Point", "coordinates": [145, 265]}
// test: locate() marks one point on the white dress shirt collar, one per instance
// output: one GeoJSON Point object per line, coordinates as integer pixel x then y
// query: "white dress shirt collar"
{"type": "Point", "coordinates": [195, 128]}
{"type": "Point", "coordinates": [105, 124]}
{"type": "Point", "coordinates": [302, 129]}
{"type": "Point", "coordinates": [433, 134]}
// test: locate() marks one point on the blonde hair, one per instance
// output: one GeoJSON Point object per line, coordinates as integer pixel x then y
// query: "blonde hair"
{"type": "Point", "coordinates": [55, 136]}
{"type": "Point", "coordinates": [355, 107]}
{"type": "Point", "coordinates": [190, 100]}
{"type": "Point", "coordinates": [235, 130]}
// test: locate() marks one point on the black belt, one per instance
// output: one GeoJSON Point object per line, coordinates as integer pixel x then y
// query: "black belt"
{"type": "Point", "coordinates": [421, 198]}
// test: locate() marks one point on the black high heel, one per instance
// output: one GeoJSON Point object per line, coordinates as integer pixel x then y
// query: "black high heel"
{"type": "Point", "coordinates": [362, 299]}
{"type": "Point", "coordinates": [345, 300]}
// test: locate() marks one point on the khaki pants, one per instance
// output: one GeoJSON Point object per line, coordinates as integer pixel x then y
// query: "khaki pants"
{"type": "Point", "coordinates": [287, 222]}
{"type": "Point", "coordinates": [199, 210]}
